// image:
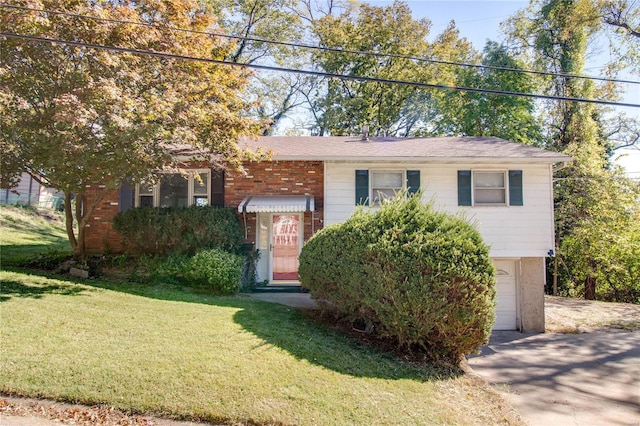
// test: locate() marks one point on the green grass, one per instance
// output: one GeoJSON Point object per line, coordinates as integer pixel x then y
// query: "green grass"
{"type": "Point", "coordinates": [166, 351]}
{"type": "Point", "coordinates": [25, 232]}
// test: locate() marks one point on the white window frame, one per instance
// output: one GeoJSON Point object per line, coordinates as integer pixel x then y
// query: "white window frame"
{"type": "Point", "coordinates": [372, 191]}
{"type": "Point", "coordinates": [190, 188]}
{"type": "Point", "coordinates": [504, 188]}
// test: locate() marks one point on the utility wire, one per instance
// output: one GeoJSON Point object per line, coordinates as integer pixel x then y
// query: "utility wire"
{"type": "Point", "coordinates": [315, 73]}
{"type": "Point", "coordinates": [323, 49]}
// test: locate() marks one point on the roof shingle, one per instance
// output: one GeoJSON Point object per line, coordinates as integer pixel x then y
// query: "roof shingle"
{"type": "Point", "coordinates": [440, 149]}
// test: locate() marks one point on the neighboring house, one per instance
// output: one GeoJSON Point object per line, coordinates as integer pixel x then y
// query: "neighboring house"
{"type": "Point", "coordinates": [503, 187]}
{"type": "Point", "coordinates": [29, 192]}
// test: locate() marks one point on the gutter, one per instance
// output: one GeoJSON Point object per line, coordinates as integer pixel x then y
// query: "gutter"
{"type": "Point", "coordinates": [559, 166]}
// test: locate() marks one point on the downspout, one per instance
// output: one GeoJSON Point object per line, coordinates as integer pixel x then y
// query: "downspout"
{"type": "Point", "coordinates": [30, 189]}
{"type": "Point", "coordinates": [244, 217]}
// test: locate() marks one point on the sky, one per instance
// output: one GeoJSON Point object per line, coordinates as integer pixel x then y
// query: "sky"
{"type": "Point", "coordinates": [479, 21]}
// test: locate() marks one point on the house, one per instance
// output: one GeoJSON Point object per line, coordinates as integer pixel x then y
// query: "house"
{"type": "Point", "coordinates": [29, 192]}
{"type": "Point", "coordinates": [505, 188]}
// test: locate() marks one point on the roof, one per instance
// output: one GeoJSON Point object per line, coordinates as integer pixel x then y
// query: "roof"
{"type": "Point", "coordinates": [441, 149]}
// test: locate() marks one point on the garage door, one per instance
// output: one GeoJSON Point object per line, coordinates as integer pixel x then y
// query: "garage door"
{"type": "Point", "coordinates": [506, 311]}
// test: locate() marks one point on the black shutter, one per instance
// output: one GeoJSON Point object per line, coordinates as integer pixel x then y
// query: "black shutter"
{"type": "Point", "coordinates": [464, 187]}
{"type": "Point", "coordinates": [515, 188]}
{"type": "Point", "coordinates": [217, 188]}
{"type": "Point", "coordinates": [362, 187]}
{"type": "Point", "coordinates": [413, 181]}
{"type": "Point", "coordinates": [126, 197]}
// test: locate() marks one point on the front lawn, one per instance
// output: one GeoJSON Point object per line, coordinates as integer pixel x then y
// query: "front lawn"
{"type": "Point", "coordinates": [26, 232]}
{"type": "Point", "coordinates": [170, 352]}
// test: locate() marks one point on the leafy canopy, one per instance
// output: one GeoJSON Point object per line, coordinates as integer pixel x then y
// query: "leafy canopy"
{"type": "Point", "coordinates": [76, 116]}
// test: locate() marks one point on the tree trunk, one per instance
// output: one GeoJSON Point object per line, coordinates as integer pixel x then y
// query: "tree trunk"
{"type": "Point", "coordinates": [68, 222]}
{"type": "Point", "coordinates": [590, 287]}
{"type": "Point", "coordinates": [81, 218]}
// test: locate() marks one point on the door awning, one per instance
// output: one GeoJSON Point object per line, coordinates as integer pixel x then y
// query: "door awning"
{"type": "Point", "coordinates": [277, 204]}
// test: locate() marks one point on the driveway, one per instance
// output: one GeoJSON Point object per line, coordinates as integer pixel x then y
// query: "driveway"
{"type": "Point", "coordinates": [566, 379]}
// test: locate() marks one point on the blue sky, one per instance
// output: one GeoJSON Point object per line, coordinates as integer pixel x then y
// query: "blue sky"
{"type": "Point", "coordinates": [479, 21]}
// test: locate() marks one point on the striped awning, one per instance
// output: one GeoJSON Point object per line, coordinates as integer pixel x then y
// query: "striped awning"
{"type": "Point", "coordinates": [277, 204]}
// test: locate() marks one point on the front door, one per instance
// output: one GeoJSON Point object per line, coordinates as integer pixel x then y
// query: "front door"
{"type": "Point", "coordinates": [285, 246]}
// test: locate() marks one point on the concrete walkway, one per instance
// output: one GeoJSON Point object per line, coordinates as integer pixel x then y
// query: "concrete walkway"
{"type": "Point", "coordinates": [296, 300]}
{"type": "Point", "coordinates": [566, 379]}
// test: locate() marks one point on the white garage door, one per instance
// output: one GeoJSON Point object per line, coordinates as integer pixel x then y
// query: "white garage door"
{"type": "Point", "coordinates": [506, 296]}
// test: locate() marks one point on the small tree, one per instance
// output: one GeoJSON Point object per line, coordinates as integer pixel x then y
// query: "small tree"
{"type": "Point", "coordinates": [76, 116]}
{"type": "Point", "coordinates": [421, 277]}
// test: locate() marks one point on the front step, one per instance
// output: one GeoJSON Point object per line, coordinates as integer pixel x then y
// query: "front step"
{"type": "Point", "coordinates": [278, 289]}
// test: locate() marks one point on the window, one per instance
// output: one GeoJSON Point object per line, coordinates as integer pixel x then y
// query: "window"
{"type": "Point", "coordinates": [145, 197]}
{"type": "Point", "coordinates": [385, 184]}
{"type": "Point", "coordinates": [378, 185]}
{"type": "Point", "coordinates": [201, 189]}
{"type": "Point", "coordinates": [490, 188]}
{"type": "Point", "coordinates": [176, 190]}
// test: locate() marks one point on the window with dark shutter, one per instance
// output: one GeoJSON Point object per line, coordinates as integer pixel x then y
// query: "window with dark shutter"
{"type": "Point", "coordinates": [464, 187]}
{"type": "Point", "coordinates": [362, 187]}
{"type": "Point", "coordinates": [126, 197]}
{"type": "Point", "coordinates": [217, 188]}
{"type": "Point", "coordinates": [413, 181]}
{"type": "Point", "coordinates": [515, 188]}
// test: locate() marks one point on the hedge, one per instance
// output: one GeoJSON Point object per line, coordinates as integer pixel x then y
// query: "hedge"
{"type": "Point", "coordinates": [405, 271]}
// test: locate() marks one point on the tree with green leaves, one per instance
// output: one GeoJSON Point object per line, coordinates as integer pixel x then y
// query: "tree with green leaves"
{"type": "Point", "coordinates": [481, 114]}
{"type": "Point", "coordinates": [593, 199]}
{"type": "Point", "coordinates": [384, 32]}
{"type": "Point", "coordinates": [266, 31]}
{"type": "Point", "coordinates": [76, 116]}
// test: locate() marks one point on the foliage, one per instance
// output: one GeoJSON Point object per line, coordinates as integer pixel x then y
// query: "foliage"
{"type": "Point", "coordinates": [181, 230]}
{"type": "Point", "coordinates": [421, 277]}
{"type": "Point", "coordinates": [215, 270]}
{"type": "Point", "coordinates": [480, 114]}
{"type": "Point", "coordinates": [389, 30]}
{"type": "Point", "coordinates": [47, 260]}
{"type": "Point", "coordinates": [600, 229]}
{"type": "Point", "coordinates": [77, 116]}
{"type": "Point", "coordinates": [595, 204]}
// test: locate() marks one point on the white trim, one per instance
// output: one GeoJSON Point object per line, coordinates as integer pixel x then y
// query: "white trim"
{"type": "Point", "coordinates": [505, 188]}
{"type": "Point", "coordinates": [277, 204]}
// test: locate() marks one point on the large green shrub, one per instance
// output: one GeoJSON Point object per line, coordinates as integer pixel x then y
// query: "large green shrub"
{"type": "Point", "coordinates": [421, 277]}
{"type": "Point", "coordinates": [214, 270]}
{"type": "Point", "coordinates": [185, 230]}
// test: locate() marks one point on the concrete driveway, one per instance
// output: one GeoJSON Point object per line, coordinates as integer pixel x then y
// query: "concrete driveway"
{"type": "Point", "coordinates": [566, 379]}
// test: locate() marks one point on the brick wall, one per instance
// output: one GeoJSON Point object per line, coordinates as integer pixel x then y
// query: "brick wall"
{"type": "Point", "coordinates": [263, 178]}
{"type": "Point", "coordinates": [277, 178]}
{"type": "Point", "coordinates": [99, 234]}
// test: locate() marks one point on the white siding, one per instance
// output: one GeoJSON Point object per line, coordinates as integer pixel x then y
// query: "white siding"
{"type": "Point", "coordinates": [511, 231]}
{"type": "Point", "coordinates": [26, 193]}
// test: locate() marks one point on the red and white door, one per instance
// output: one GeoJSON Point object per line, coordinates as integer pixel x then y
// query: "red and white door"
{"type": "Point", "coordinates": [286, 237]}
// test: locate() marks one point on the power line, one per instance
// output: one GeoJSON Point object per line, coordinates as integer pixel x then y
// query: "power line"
{"type": "Point", "coordinates": [324, 49]}
{"type": "Point", "coordinates": [315, 73]}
